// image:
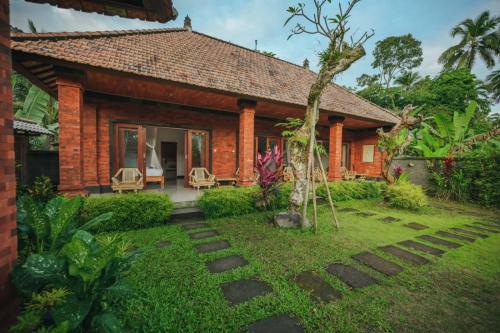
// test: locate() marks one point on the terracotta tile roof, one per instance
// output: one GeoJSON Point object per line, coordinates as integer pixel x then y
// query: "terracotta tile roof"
{"type": "Point", "coordinates": [193, 58]}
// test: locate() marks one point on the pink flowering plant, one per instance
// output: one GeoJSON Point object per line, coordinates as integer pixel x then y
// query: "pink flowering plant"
{"type": "Point", "coordinates": [269, 170]}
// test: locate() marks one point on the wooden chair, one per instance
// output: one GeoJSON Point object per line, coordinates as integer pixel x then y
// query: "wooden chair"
{"type": "Point", "coordinates": [199, 177]}
{"type": "Point", "coordinates": [127, 179]}
{"type": "Point", "coordinates": [348, 175]}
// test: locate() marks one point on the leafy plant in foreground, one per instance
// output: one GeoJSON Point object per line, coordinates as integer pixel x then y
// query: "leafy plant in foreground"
{"type": "Point", "coordinates": [269, 169]}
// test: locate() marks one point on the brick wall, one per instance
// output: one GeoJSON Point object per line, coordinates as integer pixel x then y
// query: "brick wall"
{"type": "Point", "coordinates": [8, 239]}
{"type": "Point", "coordinates": [358, 139]}
{"type": "Point", "coordinates": [335, 151]}
{"type": "Point", "coordinates": [246, 143]}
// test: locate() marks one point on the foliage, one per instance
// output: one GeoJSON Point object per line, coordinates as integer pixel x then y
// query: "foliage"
{"type": "Point", "coordinates": [396, 55]}
{"type": "Point", "coordinates": [42, 189]}
{"type": "Point", "coordinates": [69, 278]}
{"type": "Point", "coordinates": [228, 201]}
{"type": "Point", "coordinates": [130, 211]}
{"type": "Point", "coordinates": [408, 79]}
{"type": "Point", "coordinates": [493, 85]}
{"type": "Point", "coordinates": [479, 38]}
{"type": "Point", "coordinates": [406, 195]}
{"type": "Point", "coordinates": [350, 190]}
{"type": "Point", "coordinates": [46, 227]}
{"type": "Point", "coordinates": [268, 53]}
{"type": "Point", "coordinates": [269, 168]}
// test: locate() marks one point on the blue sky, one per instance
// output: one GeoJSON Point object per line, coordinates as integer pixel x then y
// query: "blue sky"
{"type": "Point", "coordinates": [244, 21]}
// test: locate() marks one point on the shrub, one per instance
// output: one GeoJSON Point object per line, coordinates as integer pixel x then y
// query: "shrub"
{"type": "Point", "coordinates": [42, 189]}
{"type": "Point", "coordinates": [222, 202]}
{"type": "Point", "coordinates": [406, 195]}
{"type": "Point", "coordinates": [130, 211]}
{"type": "Point", "coordinates": [349, 190]}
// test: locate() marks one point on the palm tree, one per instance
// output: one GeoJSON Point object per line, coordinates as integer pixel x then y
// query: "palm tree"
{"type": "Point", "coordinates": [480, 37]}
{"type": "Point", "coordinates": [408, 79]}
{"type": "Point", "coordinates": [493, 85]}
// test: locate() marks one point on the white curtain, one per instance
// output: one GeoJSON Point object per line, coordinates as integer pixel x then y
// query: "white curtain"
{"type": "Point", "coordinates": [152, 156]}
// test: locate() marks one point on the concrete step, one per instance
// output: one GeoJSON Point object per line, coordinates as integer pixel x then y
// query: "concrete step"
{"type": "Point", "coordinates": [186, 214]}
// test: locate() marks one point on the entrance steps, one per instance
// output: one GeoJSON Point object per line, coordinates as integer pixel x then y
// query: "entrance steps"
{"type": "Point", "coordinates": [186, 214]}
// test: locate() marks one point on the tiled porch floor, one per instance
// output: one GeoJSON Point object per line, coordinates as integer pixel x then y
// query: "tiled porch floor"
{"type": "Point", "coordinates": [176, 190]}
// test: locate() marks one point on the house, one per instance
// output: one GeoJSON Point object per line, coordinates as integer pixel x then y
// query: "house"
{"type": "Point", "coordinates": [174, 99]}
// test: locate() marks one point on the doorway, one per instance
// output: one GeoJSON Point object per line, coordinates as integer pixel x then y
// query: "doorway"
{"type": "Point", "coordinates": [346, 156]}
{"type": "Point", "coordinates": [169, 159]}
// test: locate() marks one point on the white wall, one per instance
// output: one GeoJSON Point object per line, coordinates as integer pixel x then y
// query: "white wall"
{"type": "Point", "coordinates": [171, 135]}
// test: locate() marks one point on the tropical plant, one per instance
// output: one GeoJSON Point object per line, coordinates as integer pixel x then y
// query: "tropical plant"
{"type": "Point", "coordinates": [406, 195]}
{"type": "Point", "coordinates": [269, 169]}
{"type": "Point", "coordinates": [479, 38]}
{"type": "Point", "coordinates": [42, 189]}
{"type": "Point", "coordinates": [493, 85]}
{"type": "Point", "coordinates": [408, 79]}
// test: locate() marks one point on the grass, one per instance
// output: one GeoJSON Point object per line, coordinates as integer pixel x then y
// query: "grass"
{"type": "Point", "coordinates": [459, 292]}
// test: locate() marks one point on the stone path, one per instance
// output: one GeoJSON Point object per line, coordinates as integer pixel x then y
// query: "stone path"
{"type": "Point", "coordinates": [422, 247]}
{"type": "Point", "coordinates": [439, 241]}
{"type": "Point", "coordinates": [318, 287]}
{"type": "Point", "coordinates": [470, 233]}
{"type": "Point", "coordinates": [163, 243]}
{"type": "Point", "coordinates": [226, 263]}
{"type": "Point", "coordinates": [475, 227]}
{"type": "Point", "coordinates": [378, 263]}
{"type": "Point", "coordinates": [365, 214]}
{"type": "Point", "coordinates": [454, 236]}
{"type": "Point", "coordinates": [389, 219]}
{"type": "Point", "coordinates": [203, 234]}
{"type": "Point", "coordinates": [276, 324]}
{"type": "Point", "coordinates": [415, 226]}
{"type": "Point", "coordinates": [240, 291]}
{"type": "Point", "coordinates": [190, 226]}
{"type": "Point", "coordinates": [488, 225]}
{"type": "Point", "coordinates": [348, 210]}
{"type": "Point", "coordinates": [350, 275]}
{"type": "Point", "coordinates": [212, 246]}
{"type": "Point", "coordinates": [405, 255]}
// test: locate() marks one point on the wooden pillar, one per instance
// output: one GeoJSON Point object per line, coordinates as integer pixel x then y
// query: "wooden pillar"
{"type": "Point", "coordinates": [70, 96]}
{"type": "Point", "coordinates": [335, 148]}
{"type": "Point", "coordinates": [246, 142]}
{"type": "Point", "coordinates": [8, 229]}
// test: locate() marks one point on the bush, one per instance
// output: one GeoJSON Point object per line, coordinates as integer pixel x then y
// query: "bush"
{"type": "Point", "coordinates": [130, 211]}
{"type": "Point", "coordinates": [349, 190]}
{"type": "Point", "coordinates": [406, 195]}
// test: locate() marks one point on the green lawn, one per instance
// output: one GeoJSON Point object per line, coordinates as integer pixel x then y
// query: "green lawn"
{"type": "Point", "coordinates": [459, 292]}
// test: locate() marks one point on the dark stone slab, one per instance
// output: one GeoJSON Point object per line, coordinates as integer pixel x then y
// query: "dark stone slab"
{"type": "Point", "coordinates": [422, 247]}
{"type": "Point", "coordinates": [405, 255]}
{"type": "Point", "coordinates": [454, 236]}
{"type": "Point", "coordinates": [162, 243]}
{"type": "Point", "coordinates": [243, 290]}
{"type": "Point", "coordinates": [389, 219]}
{"type": "Point", "coordinates": [203, 234]}
{"type": "Point", "coordinates": [470, 233]}
{"type": "Point", "coordinates": [226, 263]}
{"type": "Point", "coordinates": [348, 210]}
{"type": "Point", "coordinates": [350, 275]}
{"type": "Point", "coordinates": [488, 225]}
{"type": "Point", "coordinates": [276, 324]}
{"type": "Point", "coordinates": [415, 226]}
{"type": "Point", "coordinates": [212, 246]}
{"type": "Point", "coordinates": [365, 214]}
{"type": "Point", "coordinates": [484, 229]}
{"type": "Point", "coordinates": [190, 226]}
{"type": "Point", "coordinates": [378, 263]}
{"type": "Point", "coordinates": [318, 287]}
{"type": "Point", "coordinates": [439, 241]}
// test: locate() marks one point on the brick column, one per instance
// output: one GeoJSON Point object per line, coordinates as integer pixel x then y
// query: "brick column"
{"type": "Point", "coordinates": [8, 230]}
{"type": "Point", "coordinates": [70, 96]}
{"type": "Point", "coordinates": [246, 142]}
{"type": "Point", "coordinates": [335, 148]}
{"type": "Point", "coordinates": [90, 147]}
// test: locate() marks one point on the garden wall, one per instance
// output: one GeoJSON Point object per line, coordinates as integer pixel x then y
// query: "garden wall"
{"type": "Point", "coordinates": [416, 167]}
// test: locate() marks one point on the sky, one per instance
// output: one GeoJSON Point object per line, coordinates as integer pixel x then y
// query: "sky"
{"type": "Point", "coordinates": [245, 21]}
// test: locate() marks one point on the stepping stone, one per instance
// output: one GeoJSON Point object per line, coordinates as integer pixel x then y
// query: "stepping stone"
{"type": "Point", "coordinates": [242, 290]}
{"type": "Point", "coordinates": [439, 241]}
{"type": "Point", "coordinates": [470, 233]}
{"type": "Point", "coordinates": [226, 263]}
{"type": "Point", "coordinates": [189, 226]}
{"type": "Point", "coordinates": [365, 214]}
{"type": "Point", "coordinates": [389, 219]}
{"type": "Point", "coordinates": [348, 210]}
{"type": "Point", "coordinates": [422, 247]}
{"type": "Point", "coordinates": [318, 287]}
{"type": "Point", "coordinates": [203, 234]}
{"type": "Point", "coordinates": [487, 225]}
{"type": "Point", "coordinates": [454, 236]}
{"type": "Point", "coordinates": [378, 263]}
{"type": "Point", "coordinates": [415, 226]}
{"type": "Point", "coordinates": [481, 228]}
{"type": "Point", "coordinates": [162, 243]}
{"type": "Point", "coordinates": [212, 246]}
{"type": "Point", "coordinates": [405, 255]}
{"type": "Point", "coordinates": [276, 324]}
{"type": "Point", "coordinates": [350, 275]}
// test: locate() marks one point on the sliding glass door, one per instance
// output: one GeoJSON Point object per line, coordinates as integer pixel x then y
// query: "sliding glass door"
{"type": "Point", "coordinates": [196, 151]}
{"type": "Point", "coordinates": [129, 147]}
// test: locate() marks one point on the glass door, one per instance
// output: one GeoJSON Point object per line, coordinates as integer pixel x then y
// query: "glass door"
{"type": "Point", "coordinates": [196, 148]}
{"type": "Point", "coordinates": [129, 147]}
{"type": "Point", "coordinates": [346, 156]}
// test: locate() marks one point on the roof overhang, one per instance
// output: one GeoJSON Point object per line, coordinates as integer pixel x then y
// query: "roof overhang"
{"type": "Point", "coordinates": [150, 10]}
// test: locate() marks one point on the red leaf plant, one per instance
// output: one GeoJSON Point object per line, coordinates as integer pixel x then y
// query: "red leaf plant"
{"type": "Point", "coordinates": [269, 170]}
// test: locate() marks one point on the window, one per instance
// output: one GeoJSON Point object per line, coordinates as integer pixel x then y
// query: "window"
{"type": "Point", "coordinates": [368, 153]}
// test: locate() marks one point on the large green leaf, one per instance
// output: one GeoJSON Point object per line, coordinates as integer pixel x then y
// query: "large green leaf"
{"type": "Point", "coordinates": [66, 213]}
{"type": "Point", "coordinates": [36, 220]}
{"type": "Point", "coordinates": [39, 271]}
{"type": "Point", "coordinates": [106, 323]}
{"type": "Point", "coordinates": [35, 105]}
{"type": "Point", "coordinates": [73, 311]}
{"type": "Point", "coordinates": [96, 221]}
{"type": "Point", "coordinates": [444, 124]}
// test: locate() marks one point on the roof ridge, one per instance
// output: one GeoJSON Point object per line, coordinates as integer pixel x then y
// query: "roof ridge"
{"type": "Point", "coordinates": [87, 34]}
